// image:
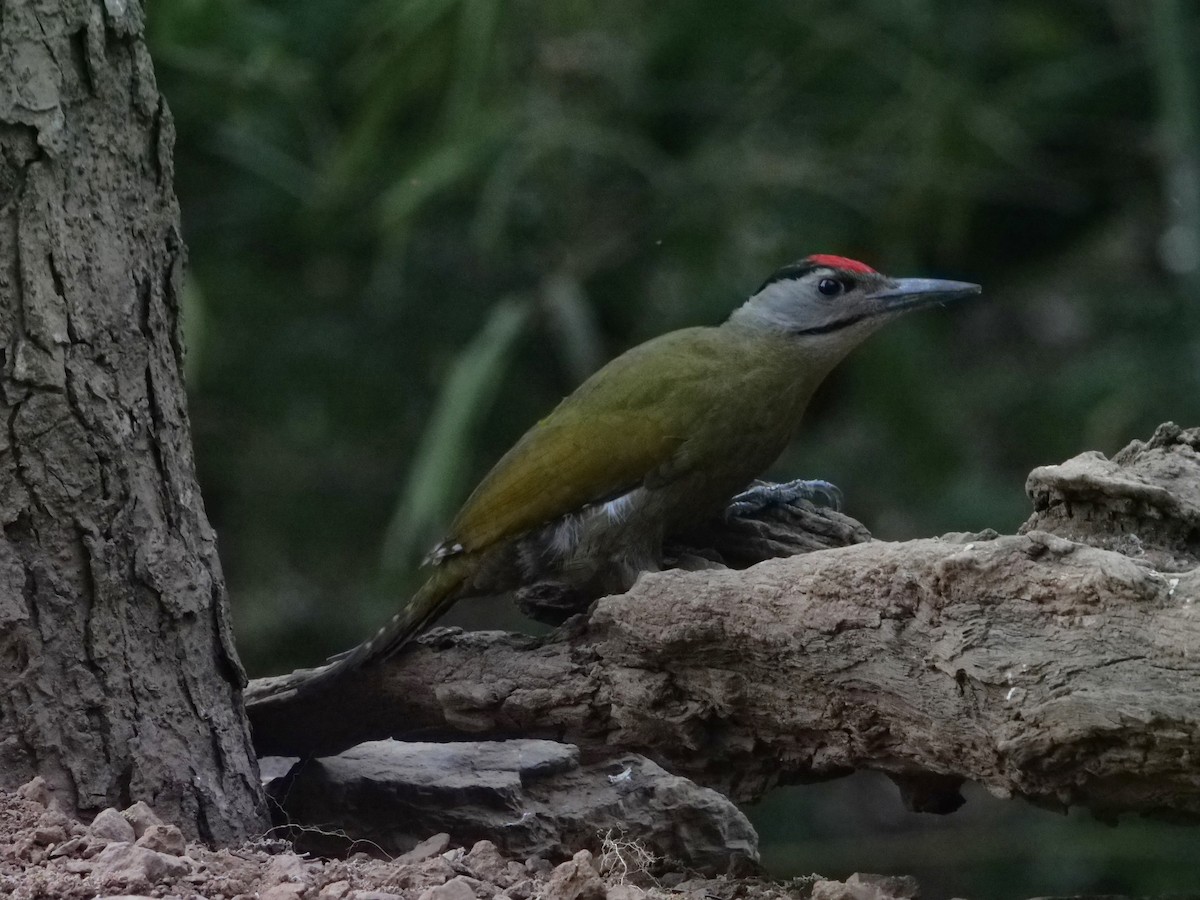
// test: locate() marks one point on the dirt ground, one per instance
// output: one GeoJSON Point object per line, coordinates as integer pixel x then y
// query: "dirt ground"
{"type": "Point", "coordinates": [129, 854]}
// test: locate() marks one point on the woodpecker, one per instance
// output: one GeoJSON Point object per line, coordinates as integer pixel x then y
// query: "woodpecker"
{"type": "Point", "coordinates": [660, 438]}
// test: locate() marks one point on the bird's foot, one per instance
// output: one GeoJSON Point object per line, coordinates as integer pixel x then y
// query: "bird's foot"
{"type": "Point", "coordinates": [764, 494]}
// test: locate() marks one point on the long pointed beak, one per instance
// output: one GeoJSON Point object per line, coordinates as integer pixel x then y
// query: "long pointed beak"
{"type": "Point", "coordinates": [908, 293]}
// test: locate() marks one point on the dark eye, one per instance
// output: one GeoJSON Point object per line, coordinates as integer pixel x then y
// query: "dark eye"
{"type": "Point", "coordinates": [830, 287]}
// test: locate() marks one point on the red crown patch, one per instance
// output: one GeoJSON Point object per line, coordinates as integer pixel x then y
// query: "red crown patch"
{"type": "Point", "coordinates": [838, 262]}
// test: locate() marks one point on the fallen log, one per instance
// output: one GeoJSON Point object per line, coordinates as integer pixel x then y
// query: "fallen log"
{"type": "Point", "coordinates": [1036, 665]}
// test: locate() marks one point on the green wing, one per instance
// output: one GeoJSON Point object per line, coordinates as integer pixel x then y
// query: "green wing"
{"type": "Point", "coordinates": [557, 468]}
{"type": "Point", "coordinates": [618, 430]}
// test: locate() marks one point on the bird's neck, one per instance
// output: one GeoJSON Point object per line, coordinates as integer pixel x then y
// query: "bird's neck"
{"type": "Point", "coordinates": [803, 359]}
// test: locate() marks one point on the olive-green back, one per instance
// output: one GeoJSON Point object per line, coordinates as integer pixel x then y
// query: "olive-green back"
{"type": "Point", "coordinates": [622, 428]}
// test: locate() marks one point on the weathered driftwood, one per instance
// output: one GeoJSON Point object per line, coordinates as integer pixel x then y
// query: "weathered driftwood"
{"type": "Point", "coordinates": [1034, 664]}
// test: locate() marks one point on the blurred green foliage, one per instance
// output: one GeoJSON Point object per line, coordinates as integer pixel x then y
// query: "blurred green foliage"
{"type": "Point", "coordinates": [991, 849]}
{"type": "Point", "coordinates": [415, 224]}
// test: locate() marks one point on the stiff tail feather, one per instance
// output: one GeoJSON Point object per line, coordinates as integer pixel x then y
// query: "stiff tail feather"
{"type": "Point", "coordinates": [430, 601]}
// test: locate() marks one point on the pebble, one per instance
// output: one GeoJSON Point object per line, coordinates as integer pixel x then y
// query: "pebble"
{"type": "Point", "coordinates": [164, 839]}
{"type": "Point", "coordinates": [458, 888]}
{"type": "Point", "coordinates": [141, 817]}
{"type": "Point", "coordinates": [110, 825]}
{"type": "Point", "coordinates": [576, 879]}
{"type": "Point", "coordinates": [427, 849]}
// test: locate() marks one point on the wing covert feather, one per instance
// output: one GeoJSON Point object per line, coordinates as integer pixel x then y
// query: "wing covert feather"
{"type": "Point", "coordinates": [623, 426]}
{"type": "Point", "coordinates": [555, 469]}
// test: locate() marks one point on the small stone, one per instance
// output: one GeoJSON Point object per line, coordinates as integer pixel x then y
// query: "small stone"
{"type": "Point", "coordinates": [141, 817]}
{"type": "Point", "coordinates": [485, 890]}
{"type": "Point", "coordinates": [125, 897]}
{"type": "Point", "coordinates": [521, 890]}
{"type": "Point", "coordinates": [376, 895]}
{"type": "Point", "coordinates": [46, 834]}
{"type": "Point", "coordinates": [35, 790]}
{"type": "Point", "coordinates": [335, 890]}
{"type": "Point", "coordinates": [412, 880]}
{"type": "Point", "coordinates": [867, 887]}
{"type": "Point", "coordinates": [538, 865]}
{"type": "Point", "coordinates": [72, 847]}
{"type": "Point", "coordinates": [110, 825]}
{"type": "Point", "coordinates": [55, 816]}
{"type": "Point", "coordinates": [164, 839]}
{"type": "Point", "coordinates": [21, 848]}
{"type": "Point", "coordinates": [287, 891]}
{"type": "Point", "coordinates": [127, 864]}
{"type": "Point", "coordinates": [459, 888]}
{"type": "Point", "coordinates": [487, 863]}
{"type": "Point", "coordinates": [827, 889]}
{"type": "Point", "coordinates": [901, 887]}
{"type": "Point", "coordinates": [271, 846]}
{"type": "Point", "coordinates": [427, 849]}
{"type": "Point", "coordinates": [437, 869]}
{"type": "Point", "coordinates": [628, 892]}
{"type": "Point", "coordinates": [287, 867]}
{"type": "Point", "coordinates": [576, 879]}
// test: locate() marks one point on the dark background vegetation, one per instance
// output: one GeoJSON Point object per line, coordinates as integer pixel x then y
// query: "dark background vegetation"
{"type": "Point", "coordinates": [415, 224]}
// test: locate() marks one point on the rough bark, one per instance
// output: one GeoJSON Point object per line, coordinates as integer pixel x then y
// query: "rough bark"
{"type": "Point", "coordinates": [118, 678]}
{"type": "Point", "coordinates": [1036, 665]}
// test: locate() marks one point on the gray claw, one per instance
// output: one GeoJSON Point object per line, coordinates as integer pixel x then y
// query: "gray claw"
{"type": "Point", "coordinates": [763, 494]}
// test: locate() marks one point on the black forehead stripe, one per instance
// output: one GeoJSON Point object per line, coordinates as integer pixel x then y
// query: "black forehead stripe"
{"type": "Point", "coordinates": [787, 273]}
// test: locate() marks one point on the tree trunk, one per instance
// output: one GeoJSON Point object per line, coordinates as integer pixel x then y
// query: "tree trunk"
{"type": "Point", "coordinates": [118, 677]}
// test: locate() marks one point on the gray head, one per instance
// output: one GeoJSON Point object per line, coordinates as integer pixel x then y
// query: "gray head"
{"type": "Point", "coordinates": [835, 302]}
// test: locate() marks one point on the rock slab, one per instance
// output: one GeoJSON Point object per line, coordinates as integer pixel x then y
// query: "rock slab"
{"type": "Point", "coordinates": [528, 797]}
